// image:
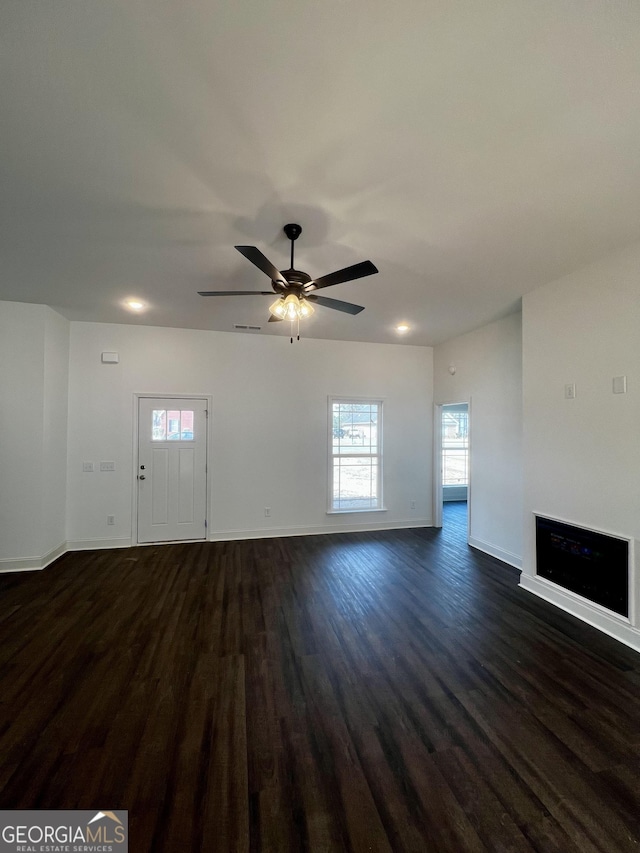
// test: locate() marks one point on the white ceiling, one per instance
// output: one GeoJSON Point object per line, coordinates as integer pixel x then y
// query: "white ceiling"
{"type": "Point", "coordinates": [471, 150]}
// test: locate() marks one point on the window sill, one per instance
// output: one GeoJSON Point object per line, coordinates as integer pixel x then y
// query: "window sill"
{"type": "Point", "coordinates": [352, 511]}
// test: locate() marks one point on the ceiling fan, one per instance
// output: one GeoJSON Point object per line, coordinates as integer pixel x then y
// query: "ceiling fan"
{"type": "Point", "coordinates": [295, 288]}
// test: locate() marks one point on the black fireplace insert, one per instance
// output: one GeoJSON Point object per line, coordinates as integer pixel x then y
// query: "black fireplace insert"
{"type": "Point", "coordinates": [594, 565]}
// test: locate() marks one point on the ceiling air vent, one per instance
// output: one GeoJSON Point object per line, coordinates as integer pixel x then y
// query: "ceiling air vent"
{"type": "Point", "coordinates": [242, 327]}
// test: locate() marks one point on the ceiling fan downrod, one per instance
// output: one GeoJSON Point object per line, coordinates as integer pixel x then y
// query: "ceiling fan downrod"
{"type": "Point", "coordinates": [293, 231]}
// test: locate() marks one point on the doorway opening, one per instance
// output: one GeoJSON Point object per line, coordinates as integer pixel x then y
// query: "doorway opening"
{"type": "Point", "coordinates": [452, 467]}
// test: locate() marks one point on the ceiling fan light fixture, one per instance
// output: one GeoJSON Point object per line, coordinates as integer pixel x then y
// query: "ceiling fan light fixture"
{"type": "Point", "coordinates": [291, 308]}
{"type": "Point", "coordinates": [277, 309]}
{"type": "Point", "coordinates": [305, 309]}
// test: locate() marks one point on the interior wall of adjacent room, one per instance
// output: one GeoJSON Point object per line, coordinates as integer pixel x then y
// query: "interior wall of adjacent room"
{"type": "Point", "coordinates": [269, 425]}
{"type": "Point", "coordinates": [582, 455]}
{"type": "Point", "coordinates": [33, 383]}
{"type": "Point", "coordinates": [488, 373]}
{"type": "Point", "coordinates": [54, 433]}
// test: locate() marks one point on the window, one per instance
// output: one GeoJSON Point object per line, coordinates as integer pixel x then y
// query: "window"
{"type": "Point", "coordinates": [355, 455]}
{"type": "Point", "coordinates": [169, 425]}
{"type": "Point", "coordinates": [455, 445]}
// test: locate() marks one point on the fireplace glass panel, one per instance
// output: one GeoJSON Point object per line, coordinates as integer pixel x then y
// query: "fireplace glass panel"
{"type": "Point", "coordinates": [591, 564]}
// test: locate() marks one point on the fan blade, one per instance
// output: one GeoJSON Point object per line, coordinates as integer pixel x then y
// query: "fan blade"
{"type": "Point", "coordinates": [337, 304]}
{"type": "Point", "coordinates": [236, 293]}
{"type": "Point", "coordinates": [273, 319]}
{"type": "Point", "coordinates": [256, 257]}
{"type": "Point", "coordinates": [347, 274]}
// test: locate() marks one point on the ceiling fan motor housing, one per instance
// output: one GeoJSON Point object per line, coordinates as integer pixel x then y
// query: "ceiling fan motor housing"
{"type": "Point", "coordinates": [296, 280]}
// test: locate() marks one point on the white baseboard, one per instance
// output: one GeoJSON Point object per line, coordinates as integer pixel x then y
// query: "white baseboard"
{"type": "Point", "coordinates": [499, 553]}
{"type": "Point", "coordinates": [29, 564]}
{"type": "Point", "coordinates": [33, 564]}
{"type": "Point", "coordinates": [313, 530]}
{"type": "Point", "coordinates": [609, 623]}
{"type": "Point", "coordinates": [99, 544]}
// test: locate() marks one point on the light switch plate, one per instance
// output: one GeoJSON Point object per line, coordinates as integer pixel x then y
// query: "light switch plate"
{"type": "Point", "coordinates": [619, 384]}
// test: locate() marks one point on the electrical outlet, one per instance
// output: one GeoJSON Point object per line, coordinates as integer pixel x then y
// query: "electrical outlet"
{"type": "Point", "coordinates": [111, 519]}
{"type": "Point", "coordinates": [267, 512]}
{"type": "Point", "coordinates": [570, 391]}
{"type": "Point", "coordinates": [413, 504]}
{"type": "Point", "coordinates": [87, 467]}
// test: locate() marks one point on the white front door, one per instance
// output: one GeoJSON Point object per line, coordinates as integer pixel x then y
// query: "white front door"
{"type": "Point", "coordinates": [172, 469]}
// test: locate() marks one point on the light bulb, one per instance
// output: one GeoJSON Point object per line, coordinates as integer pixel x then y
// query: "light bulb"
{"type": "Point", "coordinates": [278, 309]}
{"type": "Point", "coordinates": [306, 309]}
{"type": "Point", "coordinates": [291, 307]}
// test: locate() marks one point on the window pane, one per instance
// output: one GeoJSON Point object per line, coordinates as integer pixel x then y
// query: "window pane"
{"type": "Point", "coordinates": [455, 448]}
{"type": "Point", "coordinates": [355, 427]}
{"type": "Point", "coordinates": [186, 425]}
{"type": "Point", "coordinates": [173, 425]}
{"type": "Point", "coordinates": [355, 483]}
{"type": "Point", "coordinates": [159, 425]}
{"type": "Point", "coordinates": [373, 432]}
{"type": "Point", "coordinates": [455, 467]}
{"type": "Point", "coordinates": [355, 456]}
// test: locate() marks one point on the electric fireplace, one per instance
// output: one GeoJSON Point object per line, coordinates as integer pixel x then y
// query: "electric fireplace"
{"type": "Point", "coordinates": [592, 564]}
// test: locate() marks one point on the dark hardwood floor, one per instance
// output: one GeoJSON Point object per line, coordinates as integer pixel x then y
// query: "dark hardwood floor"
{"type": "Point", "coordinates": [362, 692]}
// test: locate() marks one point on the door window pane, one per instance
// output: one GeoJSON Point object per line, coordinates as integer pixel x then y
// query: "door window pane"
{"type": "Point", "coordinates": [159, 425]}
{"type": "Point", "coordinates": [172, 425]}
{"type": "Point", "coordinates": [186, 425]}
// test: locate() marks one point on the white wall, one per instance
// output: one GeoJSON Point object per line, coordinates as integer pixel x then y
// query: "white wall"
{"type": "Point", "coordinates": [582, 455]}
{"type": "Point", "coordinates": [268, 395]}
{"type": "Point", "coordinates": [488, 373]}
{"type": "Point", "coordinates": [54, 435]}
{"type": "Point", "coordinates": [33, 389]}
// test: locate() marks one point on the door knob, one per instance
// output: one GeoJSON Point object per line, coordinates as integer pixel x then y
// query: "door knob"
{"type": "Point", "coordinates": [142, 477]}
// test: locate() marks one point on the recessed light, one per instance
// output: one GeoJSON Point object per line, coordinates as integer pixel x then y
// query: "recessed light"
{"type": "Point", "coordinates": [135, 305]}
{"type": "Point", "coordinates": [402, 328]}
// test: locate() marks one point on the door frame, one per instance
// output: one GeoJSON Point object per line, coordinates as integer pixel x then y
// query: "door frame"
{"type": "Point", "coordinates": [137, 396]}
{"type": "Point", "coordinates": [437, 462]}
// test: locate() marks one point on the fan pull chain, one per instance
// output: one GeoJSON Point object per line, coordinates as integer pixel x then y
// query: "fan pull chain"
{"type": "Point", "coordinates": [297, 331]}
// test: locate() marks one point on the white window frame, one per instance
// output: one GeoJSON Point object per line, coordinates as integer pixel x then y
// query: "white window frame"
{"type": "Point", "coordinates": [378, 455]}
